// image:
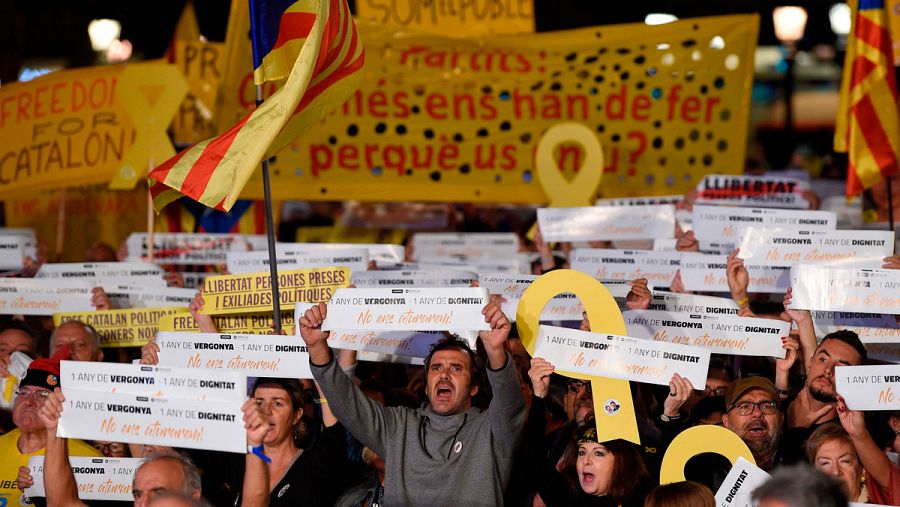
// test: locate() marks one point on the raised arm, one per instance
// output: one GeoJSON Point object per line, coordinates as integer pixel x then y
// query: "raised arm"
{"type": "Point", "coordinates": [803, 318]}
{"type": "Point", "coordinates": [256, 469]}
{"type": "Point", "coordinates": [59, 483]}
{"type": "Point", "coordinates": [873, 459]}
{"type": "Point", "coordinates": [507, 408]}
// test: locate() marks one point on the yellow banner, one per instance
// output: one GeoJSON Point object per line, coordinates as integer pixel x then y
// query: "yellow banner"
{"type": "Point", "coordinates": [92, 213]}
{"type": "Point", "coordinates": [120, 328]}
{"type": "Point", "coordinates": [260, 323]}
{"type": "Point", "coordinates": [252, 292]}
{"type": "Point", "coordinates": [201, 64]}
{"type": "Point", "coordinates": [453, 18]}
{"type": "Point", "coordinates": [73, 127]}
{"type": "Point", "coordinates": [441, 119]}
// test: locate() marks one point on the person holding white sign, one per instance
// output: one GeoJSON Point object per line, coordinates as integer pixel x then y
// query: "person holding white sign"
{"type": "Point", "coordinates": [447, 449]}
{"type": "Point", "coordinates": [753, 413]}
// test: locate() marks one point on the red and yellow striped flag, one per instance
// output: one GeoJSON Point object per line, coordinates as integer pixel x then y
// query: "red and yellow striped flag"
{"type": "Point", "coordinates": [868, 123]}
{"type": "Point", "coordinates": [324, 75]}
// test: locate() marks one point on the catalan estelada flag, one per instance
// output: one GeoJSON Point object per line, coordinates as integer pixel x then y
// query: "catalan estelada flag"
{"type": "Point", "coordinates": [276, 28]}
{"type": "Point", "coordinates": [324, 73]}
{"type": "Point", "coordinates": [868, 124]}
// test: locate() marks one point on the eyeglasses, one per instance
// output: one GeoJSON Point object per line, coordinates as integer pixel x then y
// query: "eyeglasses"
{"type": "Point", "coordinates": [37, 394]}
{"type": "Point", "coordinates": [105, 447]}
{"type": "Point", "coordinates": [767, 407]}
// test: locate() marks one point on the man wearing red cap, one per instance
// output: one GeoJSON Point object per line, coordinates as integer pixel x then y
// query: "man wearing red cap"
{"type": "Point", "coordinates": [30, 438]}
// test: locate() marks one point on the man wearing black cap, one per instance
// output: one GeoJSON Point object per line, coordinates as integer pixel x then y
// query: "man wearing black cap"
{"type": "Point", "coordinates": [753, 412]}
{"type": "Point", "coordinates": [29, 438]}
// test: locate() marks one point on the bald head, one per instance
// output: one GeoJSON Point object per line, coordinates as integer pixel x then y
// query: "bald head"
{"type": "Point", "coordinates": [83, 340]}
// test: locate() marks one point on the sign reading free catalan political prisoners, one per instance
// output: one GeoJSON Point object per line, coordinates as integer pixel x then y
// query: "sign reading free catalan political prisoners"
{"type": "Point", "coordinates": [459, 119]}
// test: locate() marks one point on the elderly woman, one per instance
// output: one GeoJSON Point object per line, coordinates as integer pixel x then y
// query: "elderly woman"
{"type": "Point", "coordinates": [847, 452]}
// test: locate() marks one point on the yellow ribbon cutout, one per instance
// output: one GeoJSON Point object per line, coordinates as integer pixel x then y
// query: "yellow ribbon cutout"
{"type": "Point", "coordinates": [150, 95]}
{"type": "Point", "coordinates": [605, 317]}
{"type": "Point", "coordinates": [698, 440]}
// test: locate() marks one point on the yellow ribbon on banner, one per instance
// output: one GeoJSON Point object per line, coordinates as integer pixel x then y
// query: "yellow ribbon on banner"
{"type": "Point", "coordinates": [151, 95]}
{"type": "Point", "coordinates": [561, 192]}
{"type": "Point", "coordinates": [698, 440]}
{"type": "Point", "coordinates": [605, 317]}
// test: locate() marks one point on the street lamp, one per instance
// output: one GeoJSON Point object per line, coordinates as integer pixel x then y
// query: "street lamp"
{"type": "Point", "coordinates": [790, 22]}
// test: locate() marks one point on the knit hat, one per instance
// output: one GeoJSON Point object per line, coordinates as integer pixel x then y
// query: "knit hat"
{"type": "Point", "coordinates": [44, 372]}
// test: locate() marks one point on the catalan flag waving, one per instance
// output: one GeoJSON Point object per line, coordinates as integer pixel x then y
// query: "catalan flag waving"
{"type": "Point", "coordinates": [868, 123]}
{"type": "Point", "coordinates": [328, 56]}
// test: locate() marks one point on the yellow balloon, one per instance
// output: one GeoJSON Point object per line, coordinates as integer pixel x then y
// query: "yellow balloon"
{"type": "Point", "coordinates": [698, 440]}
{"type": "Point", "coordinates": [605, 317]}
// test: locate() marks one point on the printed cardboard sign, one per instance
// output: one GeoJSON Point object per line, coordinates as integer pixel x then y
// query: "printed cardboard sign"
{"type": "Point", "coordinates": [246, 323]}
{"type": "Point", "coordinates": [126, 296]}
{"type": "Point", "coordinates": [693, 303]}
{"type": "Point", "coordinates": [869, 387]}
{"type": "Point", "coordinates": [250, 354]}
{"type": "Point", "coordinates": [29, 296]}
{"type": "Point", "coordinates": [607, 222]}
{"type": "Point", "coordinates": [289, 258]}
{"type": "Point", "coordinates": [738, 486]}
{"type": "Point", "coordinates": [120, 328]}
{"type": "Point", "coordinates": [415, 278]}
{"type": "Point", "coordinates": [13, 250]}
{"type": "Point", "coordinates": [723, 223]}
{"type": "Point", "coordinates": [185, 248]}
{"type": "Point", "coordinates": [395, 343]}
{"type": "Point", "coordinates": [760, 191]}
{"type": "Point", "coordinates": [470, 244]}
{"type": "Point", "coordinates": [871, 327]}
{"type": "Point", "coordinates": [620, 357]}
{"type": "Point", "coordinates": [786, 247]}
{"type": "Point", "coordinates": [657, 267]}
{"type": "Point", "coordinates": [706, 273]}
{"type": "Point", "coordinates": [419, 309]}
{"type": "Point", "coordinates": [846, 289]}
{"type": "Point", "coordinates": [142, 271]}
{"type": "Point", "coordinates": [107, 479]}
{"type": "Point", "coordinates": [721, 334]}
{"type": "Point", "coordinates": [252, 292]}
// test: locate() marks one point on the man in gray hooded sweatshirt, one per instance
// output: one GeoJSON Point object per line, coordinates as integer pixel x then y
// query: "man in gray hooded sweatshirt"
{"type": "Point", "coordinates": [444, 453]}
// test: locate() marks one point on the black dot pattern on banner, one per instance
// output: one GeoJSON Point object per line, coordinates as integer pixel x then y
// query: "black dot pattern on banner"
{"type": "Point", "coordinates": [332, 140]}
{"type": "Point", "coordinates": [591, 59]}
{"type": "Point", "coordinates": [725, 115]}
{"type": "Point", "coordinates": [415, 109]}
{"type": "Point", "coordinates": [486, 89]}
{"type": "Point", "coordinates": [640, 85]}
{"type": "Point", "coordinates": [505, 125]}
{"type": "Point", "coordinates": [323, 190]}
{"type": "Point", "coordinates": [583, 74]}
{"type": "Point", "coordinates": [616, 138]}
{"type": "Point", "coordinates": [571, 57]}
{"type": "Point", "coordinates": [704, 89]}
{"type": "Point", "coordinates": [465, 168]}
{"type": "Point", "coordinates": [709, 135]}
{"type": "Point", "coordinates": [657, 124]}
{"type": "Point", "coordinates": [719, 83]}
{"type": "Point", "coordinates": [624, 76]}
{"type": "Point", "coordinates": [556, 87]}
{"type": "Point", "coordinates": [458, 137]}
{"type": "Point", "coordinates": [525, 138]}
{"type": "Point", "coordinates": [692, 160]}
{"type": "Point", "coordinates": [409, 172]}
{"type": "Point", "coordinates": [599, 78]}
{"type": "Point", "coordinates": [435, 176]}
{"type": "Point", "coordinates": [601, 128]}
{"type": "Point", "coordinates": [429, 134]}
{"type": "Point", "coordinates": [380, 128]}
{"type": "Point", "coordinates": [640, 59]}
{"type": "Point", "coordinates": [537, 86]}
{"type": "Point", "coordinates": [688, 43]}
{"type": "Point", "coordinates": [623, 51]}
{"type": "Point", "coordinates": [694, 135]}
{"type": "Point", "coordinates": [352, 130]}
{"type": "Point", "coordinates": [679, 143]}
{"type": "Point", "coordinates": [400, 129]}
{"type": "Point", "coordinates": [722, 145]}
{"type": "Point", "coordinates": [617, 67]}
{"type": "Point", "coordinates": [482, 133]}
{"type": "Point", "coordinates": [707, 160]}
{"type": "Point", "coordinates": [662, 161]}
{"type": "Point", "coordinates": [657, 142]}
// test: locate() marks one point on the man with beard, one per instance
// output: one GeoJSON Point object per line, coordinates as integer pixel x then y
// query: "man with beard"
{"type": "Point", "coordinates": [815, 403]}
{"type": "Point", "coordinates": [753, 413]}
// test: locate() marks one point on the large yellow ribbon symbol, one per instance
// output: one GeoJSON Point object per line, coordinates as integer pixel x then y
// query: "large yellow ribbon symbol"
{"type": "Point", "coordinates": [150, 94]}
{"type": "Point", "coordinates": [699, 440]}
{"type": "Point", "coordinates": [560, 192]}
{"type": "Point", "coordinates": [605, 317]}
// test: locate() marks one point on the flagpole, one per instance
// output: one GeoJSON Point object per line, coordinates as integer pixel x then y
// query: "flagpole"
{"type": "Point", "coordinates": [890, 204]}
{"type": "Point", "coordinates": [270, 231]}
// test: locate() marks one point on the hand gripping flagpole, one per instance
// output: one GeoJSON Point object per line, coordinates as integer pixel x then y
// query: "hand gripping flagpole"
{"type": "Point", "coordinates": [270, 232]}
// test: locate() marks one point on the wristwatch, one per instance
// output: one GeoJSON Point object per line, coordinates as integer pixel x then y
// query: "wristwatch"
{"type": "Point", "coordinates": [666, 418]}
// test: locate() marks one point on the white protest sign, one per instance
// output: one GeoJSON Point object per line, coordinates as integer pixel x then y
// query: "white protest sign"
{"type": "Point", "coordinates": [377, 251]}
{"type": "Point", "coordinates": [138, 271]}
{"type": "Point", "coordinates": [417, 278]}
{"type": "Point", "coordinates": [29, 296]}
{"type": "Point", "coordinates": [640, 201]}
{"type": "Point", "coordinates": [185, 248]}
{"type": "Point", "coordinates": [397, 343]}
{"type": "Point", "coordinates": [288, 258]}
{"type": "Point", "coordinates": [657, 267]}
{"type": "Point", "coordinates": [760, 191]}
{"type": "Point", "coordinates": [846, 289]}
{"type": "Point", "coordinates": [706, 273]}
{"type": "Point", "coordinates": [607, 222]}
{"type": "Point", "coordinates": [722, 224]}
{"type": "Point", "coordinates": [665, 244]}
{"type": "Point", "coordinates": [141, 419]}
{"type": "Point", "coordinates": [737, 488]}
{"type": "Point", "coordinates": [108, 479]}
{"type": "Point", "coordinates": [786, 247]}
{"type": "Point", "coordinates": [563, 306]}
{"type": "Point", "coordinates": [692, 303]}
{"type": "Point", "coordinates": [470, 244]}
{"type": "Point", "coordinates": [416, 309]}
{"type": "Point", "coordinates": [128, 296]}
{"type": "Point", "coordinates": [715, 248]}
{"type": "Point", "coordinates": [195, 280]}
{"type": "Point", "coordinates": [721, 334]}
{"type": "Point", "coordinates": [620, 357]}
{"type": "Point", "coordinates": [887, 352]}
{"type": "Point", "coordinates": [252, 355]}
{"type": "Point", "coordinates": [871, 327]}
{"type": "Point", "coordinates": [869, 387]}
{"type": "Point", "coordinates": [12, 251]}
{"type": "Point", "coordinates": [154, 381]}
{"type": "Point", "coordinates": [502, 263]}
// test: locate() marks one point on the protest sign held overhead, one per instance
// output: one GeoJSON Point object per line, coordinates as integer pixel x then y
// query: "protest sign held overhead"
{"type": "Point", "coordinates": [184, 248]}
{"type": "Point", "coordinates": [870, 327]}
{"type": "Point", "coordinates": [419, 309]}
{"type": "Point", "coordinates": [786, 247]}
{"type": "Point", "coordinates": [247, 323]}
{"type": "Point", "coordinates": [255, 356]}
{"type": "Point", "coordinates": [759, 191]}
{"type": "Point", "coordinates": [147, 274]}
{"type": "Point", "coordinates": [738, 486]}
{"type": "Point", "coordinates": [656, 266]}
{"type": "Point", "coordinates": [126, 296]}
{"type": "Point", "coordinates": [107, 479]}
{"type": "Point", "coordinates": [477, 244]}
{"type": "Point", "coordinates": [297, 258]}
{"type": "Point", "coordinates": [120, 328]}
{"type": "Point", "coordinates": [26, 296]}
{"type": "Point", "coordinates": [607, 223]}
{"type": "Point", "coordinates": [397, 278]}
{"type": "Point", "coordinates": [846, 289]}
{"type": "Point", "coordinates": [230, 294]}
{"type": "Point", "coordinates": [726, 224]}
{"type": "Point", "coordinates": [869, 387]}
{"type": "Point", "coordinates": [704, 272]}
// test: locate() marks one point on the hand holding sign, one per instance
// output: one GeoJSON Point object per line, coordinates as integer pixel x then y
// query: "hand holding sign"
{"type": "Point", "coordinates": [639, 297]}
{"type": "Point", "coordinates": [539, 373]}
{"type": "Point", "coordinates": [494, 339]}
{"type": "Point", "coordinates": [853, 421]}
{"type": "Point", "coordinates": [51, 410]}
{"type": "Point", "coordinates": [256, 422]}
{"type": "Point", "coordinates": [311, 331]}
{"type": "Point", "coordinates": [738, 277]}
{"type": "Point", "coordinates": [24, 479]}
{"type": "Point", "coordinates": [680, 390]}
{"type": "Point", "coordinates": [892, 262]}
{"type": "Point", "coordinates": [204, 322]}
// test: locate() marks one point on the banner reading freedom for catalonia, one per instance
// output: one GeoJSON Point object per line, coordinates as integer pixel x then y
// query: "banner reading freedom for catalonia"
{"type": "Point", "coordinates": [459, 119]}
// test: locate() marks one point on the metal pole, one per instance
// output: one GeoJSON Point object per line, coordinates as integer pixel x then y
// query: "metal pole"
{"type": "Point", "coordinates": [890, 196]}
{"type": "Point", "coordinates": [270, 232]}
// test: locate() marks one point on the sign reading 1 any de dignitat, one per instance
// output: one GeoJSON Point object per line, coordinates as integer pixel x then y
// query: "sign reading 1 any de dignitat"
{"type": "Point", "coordinates": [252, 292]}
{"type": "Point", "coordinates": [446, 119]}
